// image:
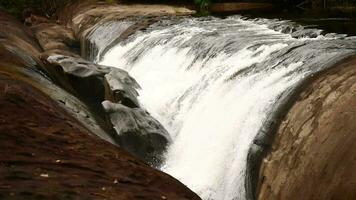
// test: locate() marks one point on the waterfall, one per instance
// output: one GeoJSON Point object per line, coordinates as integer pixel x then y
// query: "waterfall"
{"type": "Point", "coordinates": [213, 83]}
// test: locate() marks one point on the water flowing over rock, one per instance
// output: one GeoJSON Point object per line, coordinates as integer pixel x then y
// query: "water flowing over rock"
{"type": "Point", "coordinates": [313, 153]}
{"type": "Point", "coordinates": [100, 25]}
{"type": "Point", "coordinates": [219, 87]}
{"type": "Point", "coordinates": [95, 83]}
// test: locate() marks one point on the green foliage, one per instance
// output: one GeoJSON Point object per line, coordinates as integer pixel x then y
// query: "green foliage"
{"type": "Point", "coordinates": [203, 6]}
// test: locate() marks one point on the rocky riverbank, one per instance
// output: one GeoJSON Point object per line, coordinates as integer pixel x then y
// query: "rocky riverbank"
{"type": "Point", "coordinates": [83, 29]}
{"type": "Point", "coordinates": [47, 154]}
{"type": "Point", "coordinates": [56, 135]}
{"type": "Point", "coordinates": [313, 154]}
{"type": "Point", "coordinates": [56, 104]}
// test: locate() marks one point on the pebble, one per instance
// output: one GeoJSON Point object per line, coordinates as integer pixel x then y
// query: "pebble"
{"type": "Point", "coordinates": [44, 175]}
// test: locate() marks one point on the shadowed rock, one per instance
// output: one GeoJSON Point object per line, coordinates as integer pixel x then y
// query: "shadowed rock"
{"type": "Point", "coordinates": [137, 131]}
{"type": "Point", "coordinates": [45, 153]}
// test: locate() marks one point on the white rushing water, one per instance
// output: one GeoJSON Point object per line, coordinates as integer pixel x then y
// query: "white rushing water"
{"type": "Point", "coordinates": [213, 83]}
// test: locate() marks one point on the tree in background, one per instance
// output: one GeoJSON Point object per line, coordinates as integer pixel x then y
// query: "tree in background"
{"type": "Point", "coordinates": [203, 5]}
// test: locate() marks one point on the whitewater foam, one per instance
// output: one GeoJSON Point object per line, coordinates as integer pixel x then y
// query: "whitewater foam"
{"type": "Point", "coordinates": [213, 83]}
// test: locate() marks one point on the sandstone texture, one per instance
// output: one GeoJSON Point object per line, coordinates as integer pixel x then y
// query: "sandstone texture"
{"type": "Point", "coordinates": [99, 25]}
{"type": "Point", "coordinates": [314, 153]}
{"type": "Point", "coordinates": [48, 154]}
{"type": "Point", "coordinates": [56, 138]}
{"type": "Point", "coordinates": [87, 29]}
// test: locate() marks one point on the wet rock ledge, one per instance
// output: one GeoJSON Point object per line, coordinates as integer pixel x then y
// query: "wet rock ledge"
{"type": "Point", "coordinates": [65, 121]}
{"type": "Point", "coordinates": [313, 155]}
{"type": "Point", "coordinates": [85, 30]}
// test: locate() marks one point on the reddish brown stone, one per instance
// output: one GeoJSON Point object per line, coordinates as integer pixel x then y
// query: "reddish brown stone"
{"type": "Point", "coordinates": [47, 154]}
{"type": "Point", "coordinates": [314, 154]}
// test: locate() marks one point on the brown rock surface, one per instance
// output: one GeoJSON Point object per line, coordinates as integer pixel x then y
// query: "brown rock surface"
{"type": "Point", "coordinates": [56, 39]}
{"type": "Point", "coordinates": [85, 17]}
{"type": "Point", "coordinates": [47, 154]}
{"type": "Point", "coordinates": [314, 153]}
{"type": "Point", "coordinates": [20, 55]}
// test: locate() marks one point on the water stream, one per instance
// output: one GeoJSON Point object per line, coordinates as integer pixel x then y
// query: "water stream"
{"type": "Point", "coordinates": [213, 83]}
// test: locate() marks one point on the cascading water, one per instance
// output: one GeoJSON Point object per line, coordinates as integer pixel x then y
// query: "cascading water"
{"type": "Point", "coordinates": [213, 83]}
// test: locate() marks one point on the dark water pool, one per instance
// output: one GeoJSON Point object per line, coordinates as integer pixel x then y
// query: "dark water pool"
{"type": "Point", "coordinates": [329, 21]}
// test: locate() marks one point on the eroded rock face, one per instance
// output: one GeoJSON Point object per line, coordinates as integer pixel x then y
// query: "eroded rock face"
{"type": "Point", "coordinates": [99, 25]}
{"type": "Point", "coordinates": [122, 88]}
{"type": "Point", "coordinates": [49, 147]}
{"type": "Point", "coordinates": [313, 155]}
{"type": "Point", "coordinates": [136, 131]}
{"type": "Point", "coordinates": [45, 153]}
{"type": "Point", "coordinates": [84, 29]}
{"type": "Point", "coordinates": [56, 39]}
{"type": "Point", "coordinates": [20, 58]}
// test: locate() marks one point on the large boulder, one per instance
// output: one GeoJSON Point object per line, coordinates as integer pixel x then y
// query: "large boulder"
{"type": "Point", "coordinates": [313, 155]}
{"type": "Point", "coordinates": [111, 92]}
{"type": "Point", "coordinates": [138, 132]}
